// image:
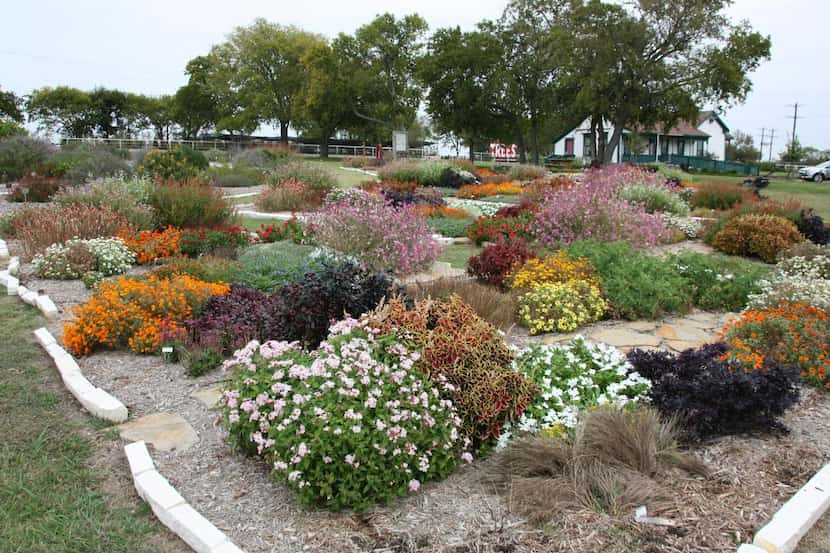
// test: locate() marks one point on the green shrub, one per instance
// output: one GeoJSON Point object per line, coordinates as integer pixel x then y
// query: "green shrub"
{"type": "Point", "coordinates": [21, 156]}
{"type": "Point", "coordinates": [654, 198]}
{"type": "Point", "coordinates": [264, 158]}
{"type": "Point", "coordinates": [522, 172]}
{"type": "Point", "coordinates": [179, 163]}
{"type": "Point", "coordinates": [81, 164]}
{"type": "Point", "coordinates": [205, 268]}
{"type": "Point", "coordinates": [718, 282]}
{"type": "Point", "coordinates": [11, 128]}
{"type": "Point", "coordinates": [763, 236]}
{"type": "Point", "coordinates": [425, 173]}
{"type": "Point", "coordinates": [190, 203]}
{"type": "Point", "coordinates": [314, 175]}
{"type": "Point", "coordinates": [636, 285]}
{"type": "Point", "coordinates": [236, 177]}
{"type": "Point", "coordinates": [125, 196]}
{"type": "Point", "coordinates": [270, 266]}
{"type": "Point", "coordinates": [446, 226]}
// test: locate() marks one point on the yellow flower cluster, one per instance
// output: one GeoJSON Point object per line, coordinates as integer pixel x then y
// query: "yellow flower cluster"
{"type": "Point", "coordinates": [555, 268]}
{"type": "Point", "coordinates": [561, 306]}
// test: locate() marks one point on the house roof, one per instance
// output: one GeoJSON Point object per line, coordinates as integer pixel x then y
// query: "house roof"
{"type": "Point", "coordinates": [681, 128]}
{"type": "Point", "coordinates": [704, 115]}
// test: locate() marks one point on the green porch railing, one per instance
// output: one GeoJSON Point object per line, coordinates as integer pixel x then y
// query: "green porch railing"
{"type": "Point", "coordinates": [696, 163]}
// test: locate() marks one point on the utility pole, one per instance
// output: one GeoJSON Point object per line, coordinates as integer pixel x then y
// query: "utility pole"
{"type": "Point", "coordinates": [762, 143]}
{"type": "Point", "coordinates": [795, 120]}
{"type": "Point", "coordinates": [771, 138]}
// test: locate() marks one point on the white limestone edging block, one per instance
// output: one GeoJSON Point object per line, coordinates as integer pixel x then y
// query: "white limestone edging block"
{"type": "Point", "coordinates": [749, 548]}
{"type": "Point", "coordinates": [47, 307]}
{"type": "Point", "coordinates": [11, 285]}
{"type": "Point", "coordinates": [95, 400]}
{"type": "Point", "coordinates": [797, 516]}
{"type": "Point", "coordinates": [4, 250]}
{"type": "Point", "coordinates": [14, 266]}
{"type": "Point", "coordinates": [171, 508]}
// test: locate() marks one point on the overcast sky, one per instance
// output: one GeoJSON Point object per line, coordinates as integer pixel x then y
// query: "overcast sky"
{"type": "Point", "coordinates": [144, 46]}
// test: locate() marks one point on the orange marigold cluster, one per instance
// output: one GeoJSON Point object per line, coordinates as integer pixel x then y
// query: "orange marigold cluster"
{"type": "Point", "coordinates": [149, 245]}
{"type": "Point", "coordinates": [473, 191]}
{"type": "Point", "coordinates": [793, 334]}
{"type": "Point", "coordinates": [438, 211]}
{"type": "Point", "coordinates": [136, 313]}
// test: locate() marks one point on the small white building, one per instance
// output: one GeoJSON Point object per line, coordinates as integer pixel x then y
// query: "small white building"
{"type": "Point", "coordinates": [705, 139]}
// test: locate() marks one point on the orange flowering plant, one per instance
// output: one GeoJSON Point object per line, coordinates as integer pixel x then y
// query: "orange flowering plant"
{"type": "Point", "coordinates": [791, 333]}
{"type": "Point", "coordinates": [441, 211]}
{"type": "Point", "coordinates": [137, 313]}
{"type": "Point", "coordinates": [150, 245]}
{"type": "Point", "coordinates": [473, 191]}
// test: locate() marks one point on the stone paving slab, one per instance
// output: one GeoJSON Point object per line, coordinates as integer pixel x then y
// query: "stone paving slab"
{"type": "Point", "coordinates": [166, 431]}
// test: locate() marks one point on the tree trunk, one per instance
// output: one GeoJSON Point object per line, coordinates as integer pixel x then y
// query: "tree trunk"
{"type": "Point", "coordinates": [615, 141]}
{"type": "Point", "coordinates": [534, 140]}
{"type": "Point", "coordinates": [471, 143]}
{"type": "Point", "coordinates": [284, 133]}
{"type": "Point", "coordinates": [601, 143]}
{"type": "Point", "coordinates": [520, 144]}
{"type": "Point", "coordinates": [324, 145]}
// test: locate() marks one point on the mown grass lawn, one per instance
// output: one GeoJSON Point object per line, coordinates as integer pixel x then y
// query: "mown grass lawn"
{"type": "Point", "coordinates": [458, 254]}
{"type": "Point", "coordinates": [811, 194]}
{"type": "Point", "coordinates": [51, 500]}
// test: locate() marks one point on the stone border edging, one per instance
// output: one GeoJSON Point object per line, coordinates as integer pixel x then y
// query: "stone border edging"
{"type": "Point", "coordinates": [795, 518]}
{"type": "Point", "coordinates": [171, 508]}
{"type": "Point", "coordinates": [95, 400]}
{"type": "Point", "coordinates": [8, 278]}
{"type": "Point", "coordinates": [359, 170]}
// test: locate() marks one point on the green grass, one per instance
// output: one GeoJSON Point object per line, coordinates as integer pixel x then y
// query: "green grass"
{"type": "Point", "coordinates": [50, 498]}
{"type": "Point", "coordinates": [253, 223]}
{"type": "Point", "coordinates": [345, 179]}
{"type": "Point", "coordinates": [458, 254]}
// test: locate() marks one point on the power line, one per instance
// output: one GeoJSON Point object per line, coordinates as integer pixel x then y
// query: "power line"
{"type": "Point", "coordinates": [771, 139]}
{"type": "Point", "coordinates": [795, 120]}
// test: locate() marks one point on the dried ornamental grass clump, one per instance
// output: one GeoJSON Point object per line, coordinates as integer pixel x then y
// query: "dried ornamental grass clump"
{"type": "Point", "coordinates": [351, 424]}
{"type": "Point", "coordinates": [611, 463]}
{"type": "Point", "coordinates": [136, 313]}
{"type": "Point", "coordinates": [39, 228]}
{"type": "Point", "coordinates": [791, 334]}
{"type": "Point", "coordinates": [494, 306]}
{"type": "Point", "coordinates": [470, 353]}
{"type": "Point", "coordinates": [290, 195]}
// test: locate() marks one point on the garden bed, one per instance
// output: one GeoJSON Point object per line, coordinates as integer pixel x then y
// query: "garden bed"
{"type": "Point", "coordinates": [752, 476]}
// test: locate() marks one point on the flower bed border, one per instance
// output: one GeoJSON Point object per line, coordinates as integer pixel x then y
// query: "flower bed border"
{"type": "Point", "coordinates": [170, 507]}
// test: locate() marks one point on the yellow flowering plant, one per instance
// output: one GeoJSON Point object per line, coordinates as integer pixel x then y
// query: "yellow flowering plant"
{"type": "Point", "coordinates": [555, 268]}
{"type": "Point", "coordinates": [561, 306]}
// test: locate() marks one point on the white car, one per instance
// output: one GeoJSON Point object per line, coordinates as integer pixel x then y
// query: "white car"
{"type": "Point", "coordinates": [817, 173]}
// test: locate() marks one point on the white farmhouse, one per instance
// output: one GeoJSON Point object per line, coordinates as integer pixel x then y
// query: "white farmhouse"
{"type": "Point", "coordinates": [705, 138]}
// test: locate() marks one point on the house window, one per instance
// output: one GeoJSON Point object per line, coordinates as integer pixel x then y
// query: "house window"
{"type": "Point", "coordinates": [569, 146]}
{"type": "Point", "coordinates": [681, 147]}
{"type": "Point", "coordinates": [587, 146]}
{"type": "Point", "coordinates": [700, 148]}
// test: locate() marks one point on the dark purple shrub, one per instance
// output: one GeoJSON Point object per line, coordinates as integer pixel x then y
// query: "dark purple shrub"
{"type": "Point", "coordinates": [495, 262]}
{"type": "Point", "coordinates": [712, 398]}
{"type": "Point", "coordinates": [419, 196]}
{"type": "Point", "coordinates": [523, 208]}
{"type": "Point", "coordinates": [310, 305]}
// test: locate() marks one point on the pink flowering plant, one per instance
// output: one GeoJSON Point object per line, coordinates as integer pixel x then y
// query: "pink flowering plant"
{"type": "Point", "coordinates": [384, 237]}
{"type": "Point", "coordinates": [353, 423]}
{"type": "Point", "coordinates": [592, 210]}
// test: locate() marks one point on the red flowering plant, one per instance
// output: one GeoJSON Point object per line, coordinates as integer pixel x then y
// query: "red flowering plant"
{"type": "Point", "coordinates": [496, 228]}
{"type": "Point", "coordinates": [495, 262]}
{"type": "Point", "coordinates": [292, 229]}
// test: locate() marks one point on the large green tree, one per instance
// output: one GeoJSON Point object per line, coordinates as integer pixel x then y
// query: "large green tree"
{"type": "Point", "coordinates": [108, 112]}
{"type": "Point", "coordinates": [381, 60]}
{"type": "Point", "coordinates": [327, 96]}
{"type": "Point", "coordinates": [195, 106]}
{"type": "Point", "coordinates": [262, 70]}
{"type": "Point", "coordinates": [461, 72]}
{"type": "Point", "coordinates": [11, 106]}
{"type": "Point", "coordinates": [61, 109]}
{"type": "Point", "coordinates": [647, 61]}
{"type": "Point", "coordinates": [742, 148]}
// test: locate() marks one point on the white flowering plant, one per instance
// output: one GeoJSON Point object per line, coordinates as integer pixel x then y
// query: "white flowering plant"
{"type": "Point", "coordinates": [76, 257]}
{"type": "Point", "coordinates": [690, 226]}
{"type": "Point", "coordinates": [353, 423]}
{"type": "Point", "coordinates": [571, 377]}
{"type": "Point", "coordinates": [485, 209]}
{"type": "Point", "coordinates": [796, 280]}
